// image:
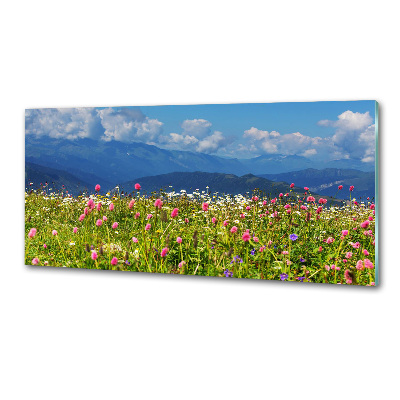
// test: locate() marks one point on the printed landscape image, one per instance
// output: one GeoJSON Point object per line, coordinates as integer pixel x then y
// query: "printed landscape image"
{"type": "Point", "coordinates": [280, 191]}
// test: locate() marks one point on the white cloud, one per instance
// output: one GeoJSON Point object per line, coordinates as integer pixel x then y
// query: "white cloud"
{"type": "Point", "coordinates": [199, 128]}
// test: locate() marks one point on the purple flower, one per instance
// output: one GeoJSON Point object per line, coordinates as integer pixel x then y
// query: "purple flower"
{"type": "Point", "coordinates": [252, 252]}
{"type": "Point", "coordinates": [302, 259]}
{"type": "Point", "coordinates": [301, 278]}
{"type": "Point", "coordinates": [228, 273]}
{"type": "Point", "coordinates": [283, 276]}
{"type": "Point", "coordinates": [293, 237]}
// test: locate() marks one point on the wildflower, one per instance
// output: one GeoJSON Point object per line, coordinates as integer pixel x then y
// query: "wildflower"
{"type": "Point", "coordinates": [345, 232]}
{"type": "Point", "coordinates": [99, 222]}
{"type": "Point", "coordinates": [75, 229]}
{"type": "Point", "coordinates": [214, 220]}
{"type": "Point", "coordinates": [327, 267]}
{"type": "Point", "coordinates": [253, 252]}
{"type": "Point", "coordinates": [149, 216]}
{"type": "Point", "coordinates": [137, 186]}
{"type": "Point", "coordinates": [355, 245]}
{"type": "Point", "coordinates": [255, 198]}
{"type": "Point", "coordinates": [248, 208]}
{"type": "Point", "coordinates": [285, 252]}
{"type": "Point", "coordinates": [360, 265]}
{"type": "Point", "coordinates": [273, 201]}
{"type": "Point", "coordinates": [322, 201]}
{"type": "Point", "coordinates": [292, 185]}
{"type": "Point", "coordinates": [306, 188]}
{"type": "Point", "coordinates": [186, 221]}
{"type": "Point", "coordinates": [35, 261]}
{"type": "Point", "coordinates": [348, 277]}
{"type": "Point", "coordinates": [54, 232]}
{"type": "Point", "coordinates": [174, 213]}
{"type": "Point", "coordinates": [86, 211]}
{"type": "Point", "coordinates": [148, 227]}
{"type": "Point", "coordinates": [97, 188]}
{"type": "Point", "coordinates": [98, 206]}
{"type": "Point", "coordinates": [81, 217]}
{"type": "Point", "coordinates": [205, 206]}
{"type": "Point", "coordinates": [301, 278]}
{"type": "Point", "coordinates": [227, 273]}
{"type": "Point", "coordinates": [319, 249]}
{"type": "Point", "coordinates": [310, 198]}
{"type": "Point", "coordinates": [288, 262]}
{"type": "Point", "coordinates": [137, 215]}
{"type": "Point", "coordinates": [233, 229]}
{"type": "Point", "coordinates": [158, 204]}
{"type": "Point", "coordinates": [225, 223]}
{"type": "Point", "coordinates": [261, 249]}
{"type": "Point", "coordinates": [111, 207]}
{"type": "Point", "coordinates": [283, 277]}
{"type": "Point", "coordinates": [94, 255]}
{"type": "Point", "coordinates": [164, 251]}
{"type": "Point", "coordinates": [365, 252]}
{"type": "Point", "coordinates": [368, 264]}
{"type": "Point", "coordinates": [181, 264]}
{"type": "Point", "coordinates": [264, 203]}
{"type": "Point", "coordinates": [45, 245]}
{"type": "Point", "coordinates": [349, 254]}
{"type": "Point", "coordinates": [179, 239]}
{"type": "Point", "coordinates": [114, 225]}
{"type": "Point", "coordinates": [131, 204]}
{"type": "Point", "coordinates": [280, 194]}
{"type": "Point", "coordinates": [104, 218]}
{"type": "Point", "coordinates": [302, 260]}
{"type": "Point", "coordinates": [32, 232]}
{"type": "Point", "coordinates": [90, 204]}
{"type": "Point", "coordinates": [364, 224]}
{"type": "Point", "coordinates": [255, 239]}
{"type": "Point", "coordinates": [246, 236]}
{"type": "Point", "coordinates": [351, 188]}
{"type": "Point", "coordinates": [340, 187]}
{"type": "Point", "coordinates": [372, 206]}
{"type": "Point", "coordinates": [114, 261]}
{"type": "Point", "coordinates": [330, 240]}
{"type": "Point", "coordinates": [293, 237]}
{"type": "Point", "coordinates": [134, 240]}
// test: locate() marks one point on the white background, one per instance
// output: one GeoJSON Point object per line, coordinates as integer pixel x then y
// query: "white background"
{"type": "Point", "coordinates": [97, 335]}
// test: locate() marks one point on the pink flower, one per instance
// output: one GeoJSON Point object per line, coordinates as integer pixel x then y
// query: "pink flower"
{"type": "Point", "coordinates": [255, 198]}
{"type": "Point", "coordinates": [303, 207]}
{"type": "Point", "coordinates": [111, 207]}
{"type": "Point", "coordinates": [81, 217]}
{"type": "Point", "coordinates": [340, 187]}
{"type": "Point", "coordinates": [149, 216]}
{"type": "Point", "coordinates": [246, 236]}
{"type": "Point", "coordinates": [264, 202]}
{"type": "Point", "coordinates": [322, 201]}
{"type": "Point", "coordinates": [45, 245]}
{"type": "Point", "coordinates": [280, 194]}
{"type": "Point", "coordinates": [114, 225]}
{"type": "Point", "coordinates": [368, 264]}
{"type": "Point", "coordinates": [134, 240]}
{"type": "Point", "coordinates": [174, 213]}
{"type": "Point", "coordinates": [90, 204]}
{"type": "Point", "coordinates": [327, 267]}
{"type": "Point", "coordinates": [137, 186]}
{"type": "Point", "coordinates": [35, 261]}
{"type": "Point", "coordinates": [75, 229]}
{"type": "Point", "coordinates": [148, 227]}
{"type": "Point", "coordinates": [137, 215]}
{"type": "Point", "coordinates": [32, 232]}
{"type": "Point", "coordinates": [94, 255]}
{"type": "Point", "coordinates": [242, 216]}
{"type": "Point", "coordinates": [365, 252]}
{"type": "Point", "coordinates": [186, 220]}
{"type": "Point", "coordinates": [285, 252]}
{"type": "Point", "coordinates": [370, 218]}
{"type": "Point", "coordinates": [359, 265]}
{"type": "Point", "coordinates": [345, 232]}
{"type": "Point", "coordinates": [158, 204]}
{"type": "Point", "coordinates": [364, 224]}
{"type": "Point", "coordinates": [261, 249]}
{"type": "Point", "coordinates": [335, 267]}
{"type": "Point", "coordinates": [330, 240]}
{"type": "Point", "coordinates": [214, 220]}
{"type": "Point", "coordinates": [104, 218]}
{"type": "Point", "coordinates": [99, 222]}
{"type": "Point", "coordinates": [131, 204]}
{"type": "Point", "coordinates": [205, 206]}
{"type": "Point", "coordinates": [349, 254]}
{"type": "Point", "coordinates": [164, 251]}
{"type": "Point", "coordinates": [351, 188]}
{"type": "Point", "coordinates": [255, 238]}
{"type": "Point", "coordinates": [86, 211]}
{"type": "Point", "coordinates": [306, 188]}
{"type": "Point", "coordinates": [355, 245]}
{"type": "Point", "coordinates": [311, 198]}
{"type": "Point", "coordinates": [248, 208]}
{"type": "Point", "coordinates": [225, 223]}
{"type": "Point", "coordinates": [347, 276]}
{"type": "Point", "coordinates": [114, 261]}
{"type": "Point", "coordinates": [181, 264]}
{"type": "Point", "coordinates": [273, 201]}
{"type": "Point", "coordinates": [97, 188]}
{"type": "Point", "coordinates": [233, 229]}
{"type": "Point", "coordinates": [98, 206]}
{"type": "Point", "coordinates": [54, 232]}
{"type": "Point", "coordinates": [292, 185]}
{"type": "Point", "coordinates": [179, 239]}
{"type": "Point", "coordinates": [372, 206]}
{"type": "Point", "coordinates": [319, 249]}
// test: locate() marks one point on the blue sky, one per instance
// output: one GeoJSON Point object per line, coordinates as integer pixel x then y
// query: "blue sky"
{"type": "Point", "coordinates": [316, 130]}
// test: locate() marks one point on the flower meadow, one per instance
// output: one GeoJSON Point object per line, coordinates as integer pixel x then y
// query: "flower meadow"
{"type": "Point", "coordinates": [289, 237]}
